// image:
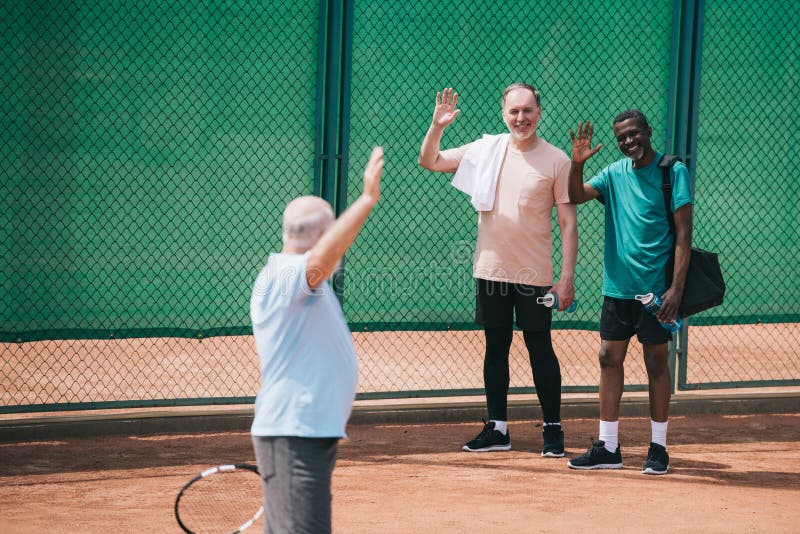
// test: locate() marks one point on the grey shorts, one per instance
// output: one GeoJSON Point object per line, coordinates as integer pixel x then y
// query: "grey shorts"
{"type": "Point", "coordinates": [296, 478]}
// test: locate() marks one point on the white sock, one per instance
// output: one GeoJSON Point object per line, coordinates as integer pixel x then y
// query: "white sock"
{"type": "Point", "coordinates": [500, 426]}
{"type": "Point", "coordinates": [609, 433]}
{"type": "Point", "coordinates": [659, 432]}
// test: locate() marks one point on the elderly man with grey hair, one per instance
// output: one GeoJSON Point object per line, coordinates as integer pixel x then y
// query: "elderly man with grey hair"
{"type": "Point", "coordinates": [309, 370]}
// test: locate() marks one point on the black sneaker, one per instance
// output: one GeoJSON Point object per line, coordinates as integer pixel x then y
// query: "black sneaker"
{"type": "Point", "coordinates": [489, 440]}
{"type": "Point", "coordinates": [657, 460]}
{"type": "Point", "coordinates": [597, 457]}
{"type": "Point", "coordinates": [553, 441]}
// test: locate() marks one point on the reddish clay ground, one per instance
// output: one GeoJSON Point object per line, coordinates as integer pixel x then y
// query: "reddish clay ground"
{"type": "Point", "coordinates": [730, 474]}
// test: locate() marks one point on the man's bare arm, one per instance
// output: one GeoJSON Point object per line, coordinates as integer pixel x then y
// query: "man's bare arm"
{"type": "Point", "coordinates": [330, 248]}
{"type": "Point", "coordinates": [444, 113]}
{"type": "Point", "coordinates": [568, 224]}
{"type": "Point", "coordinates": [582, 150]}
{"type": "Point", "coordinates": [580, 192]}
{"type": "Point", "coordinates": [683, 247]}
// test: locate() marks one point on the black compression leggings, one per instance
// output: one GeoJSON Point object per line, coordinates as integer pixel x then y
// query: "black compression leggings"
{"type": "Point", "coordinates": [544, 365]}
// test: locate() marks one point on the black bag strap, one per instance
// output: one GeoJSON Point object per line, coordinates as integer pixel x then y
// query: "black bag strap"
{"type": "Point", "coordinates": [665, 163]}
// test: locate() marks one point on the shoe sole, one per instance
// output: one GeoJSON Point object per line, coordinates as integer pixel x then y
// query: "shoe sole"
{"type": "Point", "coordinates": [553, 454]}
{"type": "Point", "coordinates": [493, 448]}
{"type": "Point", "coordinates": [651, 471]}
{"type": "Point", "coordinates": [596, 466]}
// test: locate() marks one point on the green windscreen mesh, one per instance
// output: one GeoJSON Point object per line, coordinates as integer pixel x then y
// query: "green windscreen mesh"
{"type": "Point", "coordinates": [748, 204]}
{"type": "Point", "coordinates": [412, 265]}
{"type": "Point", "coordinates": [148, 150]}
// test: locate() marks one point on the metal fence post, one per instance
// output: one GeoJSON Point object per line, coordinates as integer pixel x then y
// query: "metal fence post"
{"type": "Point", "coordinates": [333, 66]}
{"type": "Point", "coordinates": [319, 114]}
{"type": "Point", "coordinates": [683, 354]}
{"type": "Point", "coordinates": [670, 138]}
{"type": "Point", "coordinates": [682, 109]}
{"type": "Point", "coordinates": [343, 144]}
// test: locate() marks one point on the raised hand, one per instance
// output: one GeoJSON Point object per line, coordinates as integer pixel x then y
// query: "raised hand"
{"type": "Point", "coordinates": [582, 143]}
{"type": "Point", "coordinates": [328, 251]}
{"type": "Point", "coordinates": [445, 111]}
{"type": "Point", "coordinates": [372, 174]}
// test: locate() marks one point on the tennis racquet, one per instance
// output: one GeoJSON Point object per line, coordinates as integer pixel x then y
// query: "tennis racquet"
{"type": "Point", "coordinates": [223, 499]}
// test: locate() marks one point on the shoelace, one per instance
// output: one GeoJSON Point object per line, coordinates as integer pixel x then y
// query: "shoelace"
{"type": "Point", "coordinates": [486, 430]}
{"type": "Point", "coordinates": [595, 447]}
{"type": "Point", "coordinates": [658, 455]}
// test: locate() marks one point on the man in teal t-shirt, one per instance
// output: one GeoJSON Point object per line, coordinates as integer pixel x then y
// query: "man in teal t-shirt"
{"type": "Point", "coordinates": [638, 246]}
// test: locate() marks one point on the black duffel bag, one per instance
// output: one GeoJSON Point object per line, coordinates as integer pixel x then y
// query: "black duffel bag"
{"type": "Point", "coordinates": [704, 287]}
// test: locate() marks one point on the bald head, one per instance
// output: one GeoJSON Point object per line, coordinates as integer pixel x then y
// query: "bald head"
{"type": "Point", "coordinates": [305, 219]}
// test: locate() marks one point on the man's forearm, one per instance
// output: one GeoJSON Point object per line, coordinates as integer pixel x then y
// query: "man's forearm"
{"type": "Point", "coordinates": [682, 256]}
{"type": "Point", "coordinates": [569, 245]}
{"type": "Point", "coordinates": [338, 238]}
{"type": "Point", "coordinates": [683, 246]}
{"type": "Point", "coordinates": [330, 248]}
{"type": "Point", "coordinates": [575, 183]}
{"type": "Point", "coordinates": [429, 151]}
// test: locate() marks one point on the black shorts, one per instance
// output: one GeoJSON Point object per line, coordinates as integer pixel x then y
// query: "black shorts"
{"type": "Point", "coordinates": [497, 302]}
{"type": "Point", "coordinates": [621, 318]}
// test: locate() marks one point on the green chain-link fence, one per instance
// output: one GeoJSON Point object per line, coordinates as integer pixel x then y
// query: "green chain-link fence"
{"type": "Point", "coordinates": [148, 152]}
{"type": "Point", "coordinates": [747, 202]}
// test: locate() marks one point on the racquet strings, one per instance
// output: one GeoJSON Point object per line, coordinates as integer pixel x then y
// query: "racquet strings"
{"type": "Point", "coordinates": [221, 502]}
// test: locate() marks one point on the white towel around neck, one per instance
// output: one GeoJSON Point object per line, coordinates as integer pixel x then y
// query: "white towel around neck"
{"type": "Point", "coordinates": [479, 170]}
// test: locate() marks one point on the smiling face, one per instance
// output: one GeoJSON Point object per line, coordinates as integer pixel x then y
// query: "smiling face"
{"type": "Point", "coordinates": [633, 140]}
{"type": "Point", "coordinates": [521, 114]}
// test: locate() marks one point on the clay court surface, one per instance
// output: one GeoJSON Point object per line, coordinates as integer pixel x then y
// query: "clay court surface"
{"type": "Point", "coordinates": [729, 474]}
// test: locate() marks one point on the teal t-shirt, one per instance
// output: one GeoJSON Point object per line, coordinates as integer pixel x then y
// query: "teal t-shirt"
{"type": "Point", "coordinates": [638, 240]}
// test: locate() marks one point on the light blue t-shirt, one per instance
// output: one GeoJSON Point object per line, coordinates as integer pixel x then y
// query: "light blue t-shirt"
{"type": "Point", "coordinates": [638, 240]}
{"type": "Point", "coordinates": [309, 371]}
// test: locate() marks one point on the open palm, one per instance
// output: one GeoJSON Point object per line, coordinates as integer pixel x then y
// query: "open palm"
{"type": "Point", "coordinates": [582, 143]}
{"type": "Point", "coordinates": [445, 111]}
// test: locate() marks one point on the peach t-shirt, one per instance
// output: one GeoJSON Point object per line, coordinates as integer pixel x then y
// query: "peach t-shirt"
{"type": "Point", "coordinates": [514, 238]}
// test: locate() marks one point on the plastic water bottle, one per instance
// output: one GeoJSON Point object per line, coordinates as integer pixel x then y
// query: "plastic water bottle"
{"type": "Point", "coordinates": [551, 301]}
{"type": "Point", "coordinates": [652, 304]}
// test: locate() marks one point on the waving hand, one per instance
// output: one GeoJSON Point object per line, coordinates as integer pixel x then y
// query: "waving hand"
{"type": "Point", "coordinates": [582, 143]}
{"type": "Point", "coordinates": [445, 111]}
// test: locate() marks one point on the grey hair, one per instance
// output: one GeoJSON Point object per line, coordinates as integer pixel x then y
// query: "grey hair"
{"type": "Point", "coordinates": [523, 85]}
{"type": "Point", "coordinates": [306, 230]}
